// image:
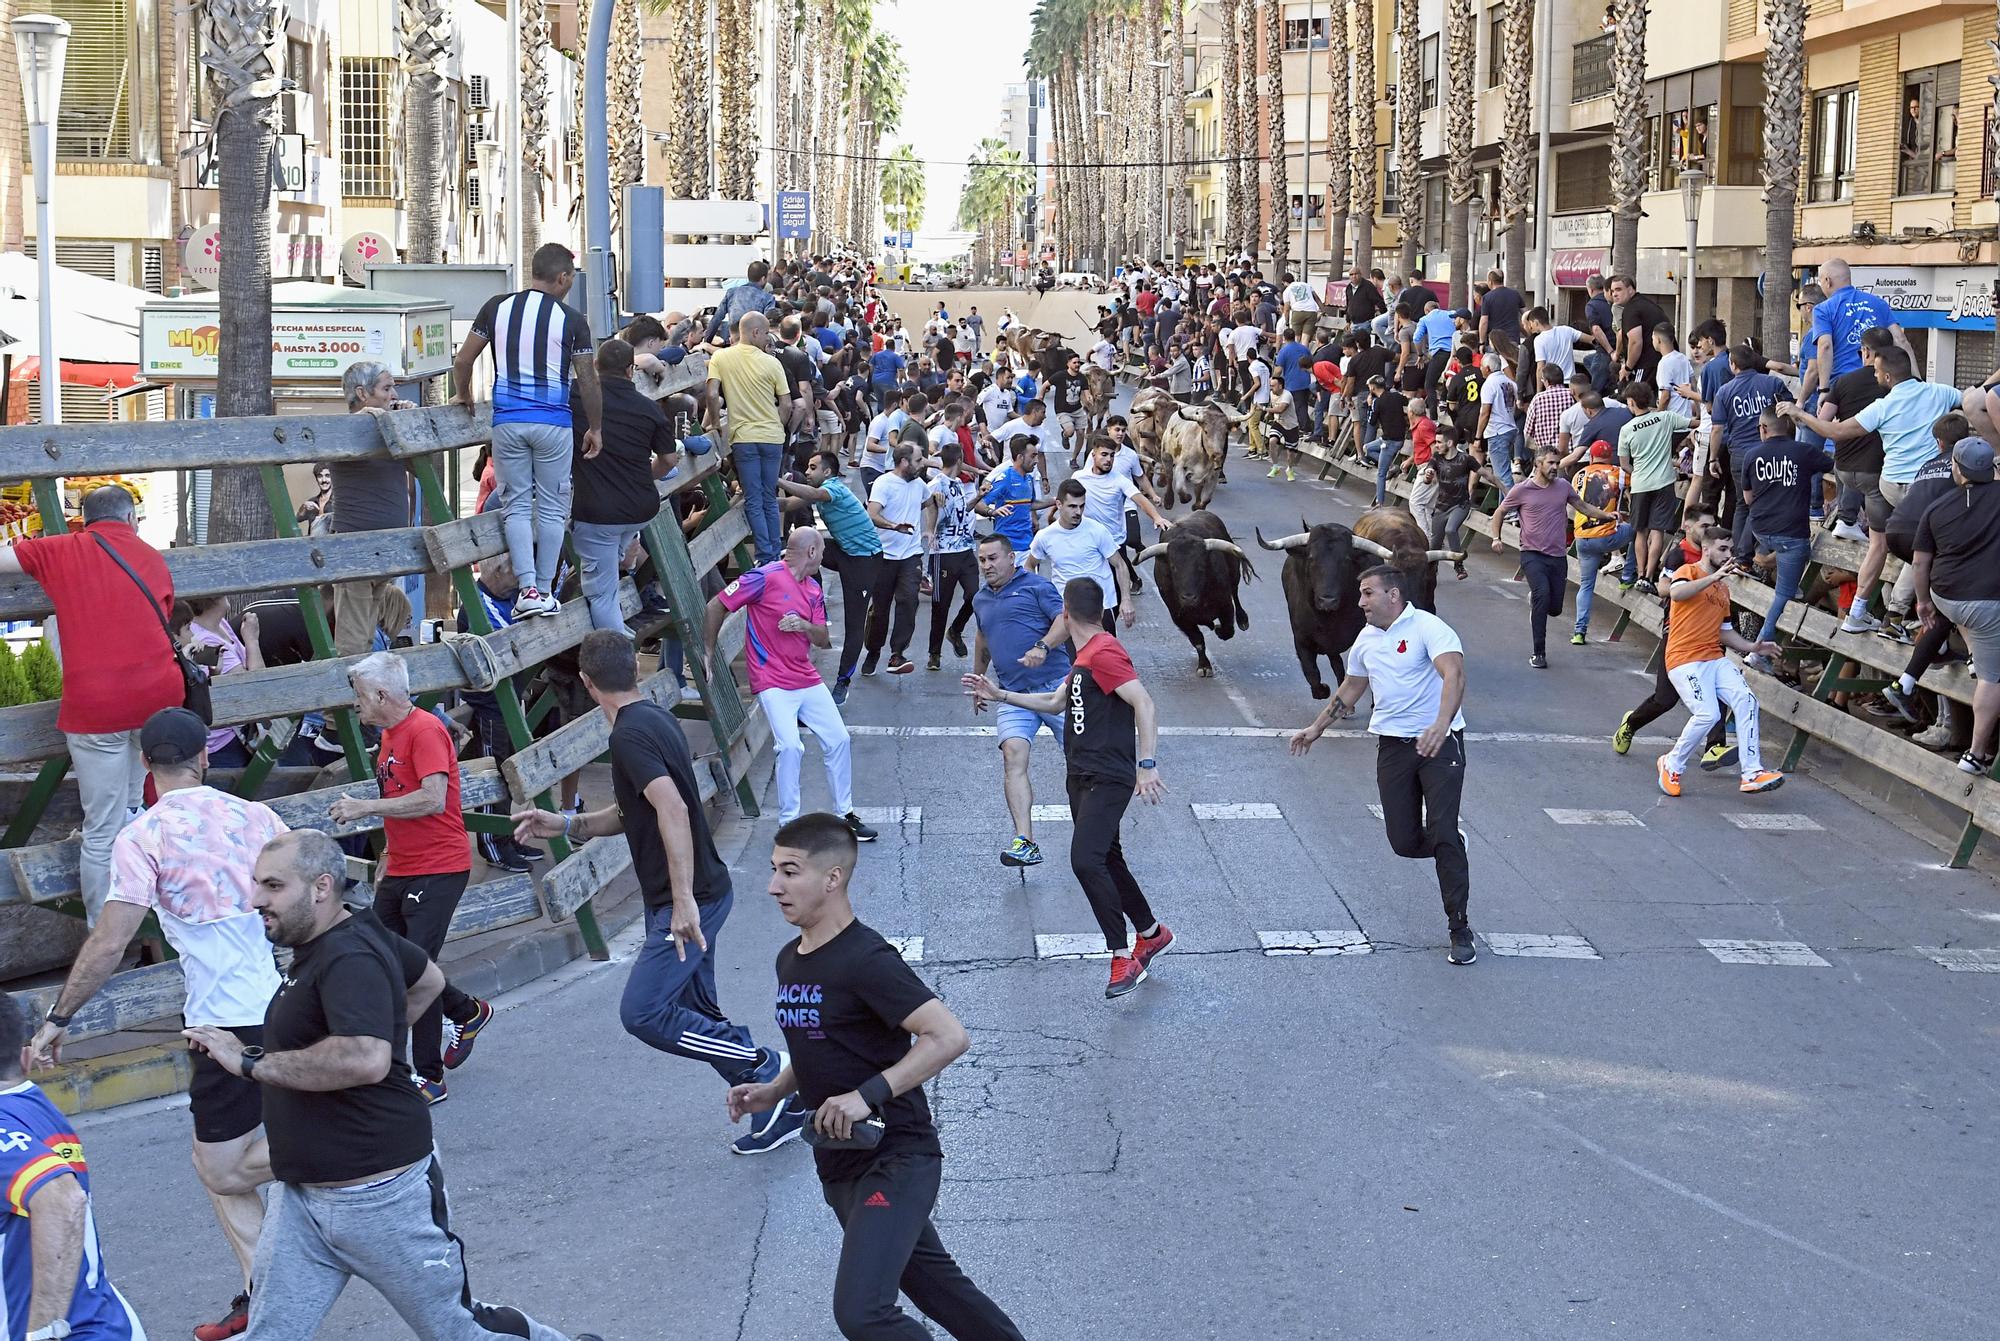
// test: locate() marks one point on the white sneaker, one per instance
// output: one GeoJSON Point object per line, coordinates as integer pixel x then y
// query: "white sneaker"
{"type": "Point", "coordinates": [1849, 531]}
{"type": "Point", "coordinates": [534, 602]}
{"type": "Point", "coordinates": [1935, 737]}
{"type": "Point", "coordinates": [689, 694]}
{"type": "Point", "coordinates": [1860, 622]}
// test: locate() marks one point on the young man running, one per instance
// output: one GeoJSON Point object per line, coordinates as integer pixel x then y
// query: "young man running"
{"type": "Point", "coordinates": [1414, 664]}
{"type": "Point", "coordinates": [1543, 500]}
{"type": "Point", "coordinates": [855, 553]}
{"type": "Point", "coordinates": [849, 1006]}
{"type": "Point", "coordinates": [1113, 729]}
{"type": "Point", "coordinates": [669, 1000]}
{"type": "Point", "coordinates": [948, 542]}
{"type": "Point", "coordinates": [1023, 633]}
{"type": "Point", "coordinates": [1705, 678]}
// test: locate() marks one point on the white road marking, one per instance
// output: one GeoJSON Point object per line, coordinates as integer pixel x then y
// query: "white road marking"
{"type": "Point", "coordinates": [1236, 810]}
{"type": "Point", "coordinates": [890, 814]}
{"type": "Point", "coordinates": [1979, 916]}
{"type": "Point", "coordinates": [1622, 818]}
{"type": "Point", "coordinates": [1375, 809]}
{"type": "Point", "coordinates": [1534, 945]}
{"type": "Point", "coordinates": [1344, 942]}
{"type": "Point", "coordinates": [911, 948]}
{"type": "Point", "coordinates": [1962, 961]}
{"type": "Point", "coordinates": [1055, 814]}
{"type": "Point", "coordinates": [1794, 954]}
{"type": "Point", "coordinates": [1071, 945]}
{"type": "Point", "coordinates": [1774, 823]}
{"type": "Point", "coordinates": [1235, 696]}
{"type": "Point", "coordinates": [1504, 591]}
{"type": "Point", "coordinates": [1255, 733]}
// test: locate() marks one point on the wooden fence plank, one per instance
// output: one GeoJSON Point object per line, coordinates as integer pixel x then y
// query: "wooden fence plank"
{"type": "Point", "coordinates": [129, 998]}
{"type": "Point", "coordinates": [584, 874]}
{"type": "Point", "coordinates": [492, 904]}
{"type": "Point", "coordinates": [38, 451]}
{"type": "Point", "coordinates": [712, 546]}
{"type": "Point", "coordinates": [541, 765]}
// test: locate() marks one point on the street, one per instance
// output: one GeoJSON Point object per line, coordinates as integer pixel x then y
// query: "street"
{"type": "Point", "coordinates": [1612, 1130]}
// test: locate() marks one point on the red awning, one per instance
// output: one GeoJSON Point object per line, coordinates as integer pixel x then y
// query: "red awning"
{"type": "Point", "coordinates": [76, 373]}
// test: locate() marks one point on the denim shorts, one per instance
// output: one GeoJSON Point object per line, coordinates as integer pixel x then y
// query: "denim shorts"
{"type": "Point", "coordinates": [1018, 723]}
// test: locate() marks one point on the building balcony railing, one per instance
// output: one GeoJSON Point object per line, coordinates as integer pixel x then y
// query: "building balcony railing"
{"type": "Point", "coordinates": [1590, 69]}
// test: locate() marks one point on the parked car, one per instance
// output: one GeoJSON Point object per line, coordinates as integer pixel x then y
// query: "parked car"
{"type": "Point", "coordinates": [1079, 279]}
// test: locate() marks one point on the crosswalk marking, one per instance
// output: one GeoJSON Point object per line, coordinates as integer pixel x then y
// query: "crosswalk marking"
{"type": "Point", "coordinates": [911, 948]}
{"type": "Point", "coordinates": [1375, 809]}
{"type": "Point", "coordinates": [1337, 942]}
{"type": "Point", "coordinates": [1962, 961]}
{"type": "Point", "coordinates": [1623, 818]}
{"type": "Point", "coordinates": [1055, 814]}
{"type": "Point", "coordinates": [1774, 823]}
{"type": "Point", "coordinates": [1213, 810]}
{"type": "Point", "coordinates": [1535, 945]}
{"type": "Point", "coordinates": [1794, 954]}
{"type": "Point", "coordinates": [1070, 945]}
{"type": "Point", "coordinates": [890, 814]}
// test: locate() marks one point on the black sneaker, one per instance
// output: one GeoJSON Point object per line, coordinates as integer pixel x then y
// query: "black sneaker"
{"type": "Point", "coordinates": [840, 688]}
{"type": "Point", "coordinates": [934, 663]}
{"type": "Point", "coordinates": [958, 644]}
{"type": "Point", "coordinates": [500, 855]}
{"type": "Point", "coordinates": [1538, 661]}
{"type": "Point", "coordinates": [862, 833]}
{"type": "Point", "coordinates": [1893, 695]}
{"type": "Point", "coordinates": [901, 665]}
{"type": "Point", "coordinates": [1462, 951]}
{"type": "Point", "coordinates": [869, 662]}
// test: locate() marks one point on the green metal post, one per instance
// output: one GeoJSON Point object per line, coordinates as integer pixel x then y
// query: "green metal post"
{"type": "Point", "coordinates": [312, 606]}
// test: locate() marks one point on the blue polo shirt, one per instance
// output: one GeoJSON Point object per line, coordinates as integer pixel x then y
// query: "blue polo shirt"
{"type": "Point", "coordinates": [1844, 317]}
{"type": "Point", "coordinates": [883, 365]}
{"type": "Point", "coordinates": [848, 522]}
{"type": "Point", "coordinates": [1904, 418]}
{"type": "Point", "coordinates": [1735, 409]}
{"type": "Point", "coordinates": [1714, 374]}
{"type": "Point", "coordinates": [1295, 363]}
{"type": "Point", "coordinates": [1018, 522]}
{"type": "Point", "coordinates": [1436, 331]}
{"type": "Point", "coordinates": [1012, 620]}
{"type": "Point", "coordinates": [830, 338]}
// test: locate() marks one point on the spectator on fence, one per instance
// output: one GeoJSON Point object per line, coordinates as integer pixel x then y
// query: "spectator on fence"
{"type": "Point", "coordinates": [426, 860]}
{"type": "Point", "coordinates": [119, 663]}
{"type": "Point", "coordinates": [753, 384]}
{"type": "Point", "coordinates": [538, 345]}
{"type": "Point", "coordinates": [615, 491]}
{"type": "Point", "coordinates": [1781, 482]}
{"type": "Point", "coordinates": [374, 494]}
{"type": "Point", "coordinates": [216, 645]}
{"type": "Point", "coordinates": [1957, 567]}
{"type": "Point", "coordinates": [1933, 482]}
{"type": "Point", "coordinates": [740, 300]}
{"type": "Point", "coordinates": [189, 859]}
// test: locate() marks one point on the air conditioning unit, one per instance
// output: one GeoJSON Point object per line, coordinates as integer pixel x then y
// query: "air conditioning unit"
{"type": "Point", "coordinates": [472, 198]}
{"type": "Point", "coordinates": [478, 93]}
{"type": "Point", "coordinates": [474, 133]}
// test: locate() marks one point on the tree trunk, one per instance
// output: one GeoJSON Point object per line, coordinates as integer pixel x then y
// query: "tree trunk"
{"type": "Point", "coordinates": [1366, 154]}
{"type": "Point", "coordinates": [1516, 172]}
{"type": "Point", "coordinates": [1274, 121]}
{"type": "Point", "coordinates": [1339, 139]}
{"type": "Point", "coordinates": [1458, 145]}
{"type": "Point", "coordinates": [1628, 152]}
{"type": "Point", "coordinates": [1246, 98]}
{"type": "Point", "coordinates": [1177, 202]}
{"type": "Point", "coordinates": [1409, 133]}
{"type": "Point", "coordinates": [425, 33]}
{"type": "Point", "coordinates": [1232, 147]}
{"type": "Point", "coordinates": [1784, 80]}
{"type": "Point", "coordinates": [534, 123]}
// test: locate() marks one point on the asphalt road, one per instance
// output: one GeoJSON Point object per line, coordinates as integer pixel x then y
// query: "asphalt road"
{"type": "Point", "coordinates": [1624, 1135]}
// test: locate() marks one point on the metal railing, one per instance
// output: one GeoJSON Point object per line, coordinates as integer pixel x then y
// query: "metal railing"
{"type": "Point", "coordinates": [1590, 69]}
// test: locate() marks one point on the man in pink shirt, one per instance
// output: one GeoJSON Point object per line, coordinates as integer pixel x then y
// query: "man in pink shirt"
{"type": "Point", "coordinates": [787, 619]}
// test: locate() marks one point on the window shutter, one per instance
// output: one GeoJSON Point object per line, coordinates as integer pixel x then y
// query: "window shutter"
{"type": "Point", "coordinates": [95, 121]}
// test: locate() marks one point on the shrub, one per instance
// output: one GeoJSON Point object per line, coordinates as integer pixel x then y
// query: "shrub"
{"type": "Point", "coordinates": [43, 673]}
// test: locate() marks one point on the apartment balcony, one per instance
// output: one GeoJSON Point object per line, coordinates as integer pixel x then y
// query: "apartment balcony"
{"type": "Point", "coordinates": [1590, 69]}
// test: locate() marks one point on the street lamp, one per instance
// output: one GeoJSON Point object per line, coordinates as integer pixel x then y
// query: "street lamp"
{"type": "Point", "coordinates": [488, 153]}
{"type": "Point", "coordinates": [1475, 222]}
{"type": "Point", "coordinates": [41, 41]}
{"type": "Point", "coordinates": [1693, 179]}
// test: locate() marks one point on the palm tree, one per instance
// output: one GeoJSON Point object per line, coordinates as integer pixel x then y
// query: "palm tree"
{"type": "Point", "coordinates": [903, 187]}
{"type": "Point", "coordinates": [1628, 150]}
{"type": "Point", "coordinates": [425, 36]}
{"type": "Point", "coordinates": [1409, 131]}
{"type": "Point", "coordinates": [1365, 148]}
{"type": "Point", "coordinates": [1339, 139]}
{"type": "Point", "coordinates": [534, 120]}
{"type": "Point", "coordinates": [1246, 101]}
{"type": "Point", "coordinates": [1154, 213]}
{"type": "Point", "coordinates": [237, 53]}
{"type": "Point", "coordinates": [1517, 73]}
{"type": "Point", "coordinates": [687, 132]}
{"type": "Point", "coordinates": [1176, 120]}
{"type": "Point", "coordinates": [1784, 85]}
{"type": "Point", "coordinates": [737, 95]}
{"type": "Point", "coordinates": [626, 129]}
{"type": "Point", "coordinates": [1274, 108]}
{"type": "Point", "coordinates": [1458, 145]}
{"type": "Point", "coordinates": [793, 23]}
{"type": "Point", "coordinates": [884, 77]}
{"type": "Point", "coordinates": [995, 180]}
{"type": "Point", "coordinates": [1232, 132]}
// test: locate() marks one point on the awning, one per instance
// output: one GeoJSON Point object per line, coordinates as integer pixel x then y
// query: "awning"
{"type": "Point", "coordinates": [79, 373]}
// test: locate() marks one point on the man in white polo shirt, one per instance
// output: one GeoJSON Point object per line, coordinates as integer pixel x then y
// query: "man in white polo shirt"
{"type": "Point", "coordinates": [1076, 546]}
{"type": "Point", "coordinates": [1413, 663]}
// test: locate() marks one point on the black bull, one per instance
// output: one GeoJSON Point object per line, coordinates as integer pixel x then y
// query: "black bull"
{"type": "Point", "coordinates": [1198, 572]}
{"type": "Point", "coordinates": [1322, 581]}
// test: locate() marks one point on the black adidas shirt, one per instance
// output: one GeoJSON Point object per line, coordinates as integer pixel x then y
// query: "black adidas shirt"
{"type": "Point", "coordinates": [1099, 726]}
{"type": "Point", "coordinates": [842, 1009]}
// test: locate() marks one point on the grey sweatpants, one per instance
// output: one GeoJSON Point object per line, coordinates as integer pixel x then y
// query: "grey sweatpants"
{"type": "Point", "coordinates": [397, 1237]}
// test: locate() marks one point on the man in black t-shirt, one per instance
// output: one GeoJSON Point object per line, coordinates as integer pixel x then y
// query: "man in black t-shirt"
{"type": "Point", "coordinates": [848, 1005]}
{"type": "Point", "coordinates": [1857, 462]}
{"type": "Point", "coordinates": [669, 1000]}
{"type": "Point", "coordinates": [1636, 360]}
{"type": "Point", "coordinates": [1113, 728]}
{"type": "Point", "coordinates": [613, 495]}
{"type": "Point", "coordinates": [359, 1191]}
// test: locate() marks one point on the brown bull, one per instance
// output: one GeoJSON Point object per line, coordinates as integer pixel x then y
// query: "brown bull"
{"type": "Point", "coordinates": [1099, 386]}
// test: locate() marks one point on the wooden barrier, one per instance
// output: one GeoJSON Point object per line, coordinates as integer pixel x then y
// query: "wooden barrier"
{"type": "Point", "coordinates": [46, 873]}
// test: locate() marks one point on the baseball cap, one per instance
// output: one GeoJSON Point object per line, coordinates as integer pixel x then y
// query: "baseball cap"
{"type": "Point", "coordinates": [1600, 450]}
{"type": "Point", "coordinates": [1974, 459]}
{"type": "Point", "coordinates": [1462, 314]}
{"type": "Point", "coordinates": [175, 736]}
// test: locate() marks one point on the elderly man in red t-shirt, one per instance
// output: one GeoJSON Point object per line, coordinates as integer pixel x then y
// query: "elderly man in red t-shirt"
{"type": "Point", "coordinates": [427, 860]}
{"type": "Point", "coordinates": [118, 663]}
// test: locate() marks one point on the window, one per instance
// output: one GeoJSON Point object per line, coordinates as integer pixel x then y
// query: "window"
{"type": "Point", "coordinates": [1830, 174]}
{"type": "Point", "coordinates": [1590, 69]}
{"type": "Point", "coordinates": [367, 89]}
{"type": "Point", "coordinates": [1583, 179]}
{"type": "Point", "coordinates": [1927, 143]}
{"type": "Point", "coordinates": [1433, 230]}
{"type": "Point", "coordinates": [1427, 54]}
{"type": "Point", "coordinates": [1496, 43]}
{"type": "Point", "coordinates": [111, 81]}
{"type": "Point", "coordinates": [1303, 33]}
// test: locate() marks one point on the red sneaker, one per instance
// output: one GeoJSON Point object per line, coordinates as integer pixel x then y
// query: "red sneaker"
{"type": "Point", "coordinates": [1146, 948]}
{"type": "Point", "coordinates": [1126, 973]}
{"type": "Point", "coordinates": [233, 1323]}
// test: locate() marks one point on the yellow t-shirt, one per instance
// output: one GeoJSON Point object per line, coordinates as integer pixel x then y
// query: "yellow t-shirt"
{"type": "Point", "coordinates": [751, 381]}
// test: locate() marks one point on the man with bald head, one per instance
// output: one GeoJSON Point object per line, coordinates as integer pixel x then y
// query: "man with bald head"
{"type": "Point", "coordinates": [759, 402]}
{"type": "Point", "coordinates": [787, 619]}
{"type": "Point", "coordinates": [1833, 346]}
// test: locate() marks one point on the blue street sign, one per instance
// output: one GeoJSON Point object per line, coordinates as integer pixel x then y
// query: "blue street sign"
{"type": "Point", "coordinates": [889, 240]}
{"type": "Point", "coordinates": [794, 214]}
{"type": "Point", "coordinates": [906, 239]}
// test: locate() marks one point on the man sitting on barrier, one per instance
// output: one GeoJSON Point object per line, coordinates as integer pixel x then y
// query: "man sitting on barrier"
{"type": "Point", "coordinates": [1957, 569]}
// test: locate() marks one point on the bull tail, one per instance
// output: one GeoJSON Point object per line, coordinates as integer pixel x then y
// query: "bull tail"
{"type": "Point", "coordinates": [1242, 615]}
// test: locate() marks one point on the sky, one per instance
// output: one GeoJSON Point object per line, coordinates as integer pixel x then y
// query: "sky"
{"type": "Point", "coordinates": [961, 58]}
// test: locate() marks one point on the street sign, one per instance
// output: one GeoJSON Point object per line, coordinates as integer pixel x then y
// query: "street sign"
{"type": "Point", "coordinates": [359, 250]}
{"type": "Point", "coordinates": [794, 214]}
{"type": "Point", "coordinates": [907, 239]}
{"type": "Point", "coordinates": [888, 239]}
{"type": "Point", "coordinates": [291, 169]}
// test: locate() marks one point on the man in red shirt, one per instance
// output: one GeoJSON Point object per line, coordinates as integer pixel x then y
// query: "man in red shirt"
{"type": "Point", "coordinates": [427, 859]}
{"type": "Point", "coordinates": [118, 663]}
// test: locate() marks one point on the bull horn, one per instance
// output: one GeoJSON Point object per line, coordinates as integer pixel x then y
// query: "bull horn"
{"type": "Point", "coordinates": [1191, 415]}
{"type": "Point", "coordinates": [1150, 552]}
{"type": "Point", "coordinates": [1224, 547]}
{"type": "Point", "coordinates": [1233, 416]}
{"type": "Point", "coordinates": [1289, 542]}
{"type": "Point", "coordinates": [1379, 551]}
{"type": "Point", "coordinates": [1438, 555]}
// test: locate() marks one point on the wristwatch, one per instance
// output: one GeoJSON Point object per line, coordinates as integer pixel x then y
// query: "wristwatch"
{"type": "Point", "coordinates": [251, 1056]}
{"type": "Point", "coordinates": [54, 1331]}
{"type": "Point", "coordinates": [59, 1021]}
{"type": "Point", "coordinates": [1149, 763]}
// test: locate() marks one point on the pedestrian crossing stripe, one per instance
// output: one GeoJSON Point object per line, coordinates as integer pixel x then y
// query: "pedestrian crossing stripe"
{"type": "Point", "coordinates": [1534, 945]}
{"type": "Point", "coordinates": [1956, 960]}
{"type": "Point", "coordinates": [1315, 943]}
{"type": "Point", "coordinates": [1235, 810]}
{"type": "Point", "coordinates": [1052, 814]}
{"type": "Point", "coordinates": [911, 948]}
{"type": "Point", "coordinates": [890, 814]}
{"type": "Point", "coordinates": [1071, 944]}
{"type": "Point", "coordinates": [1774, 823]}
{"type": "Point", "coordinates": [1793, 954]}
{"type": "Point", "coordinates": [1375, 809]}
{"type": "Point", "coordinates": [1621, 818]}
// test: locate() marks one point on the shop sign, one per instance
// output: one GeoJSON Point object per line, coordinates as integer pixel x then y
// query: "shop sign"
{"type": "Point", "coordinates": [1573, 267]}
{"type": "Point", "coordinates": [1570, 232]}
{"type": "Point", "coordinates": [1945, 297]}
{"type": "Point", "coordinates": [305, 346]}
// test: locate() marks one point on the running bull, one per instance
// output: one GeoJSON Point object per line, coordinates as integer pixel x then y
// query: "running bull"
{"type": "Point", "coordinates": [1198, 575]}
{"type": "Point", "coordinates": [1322, 580]}
{"type": "Point", "coordinates": [1194, 443]}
